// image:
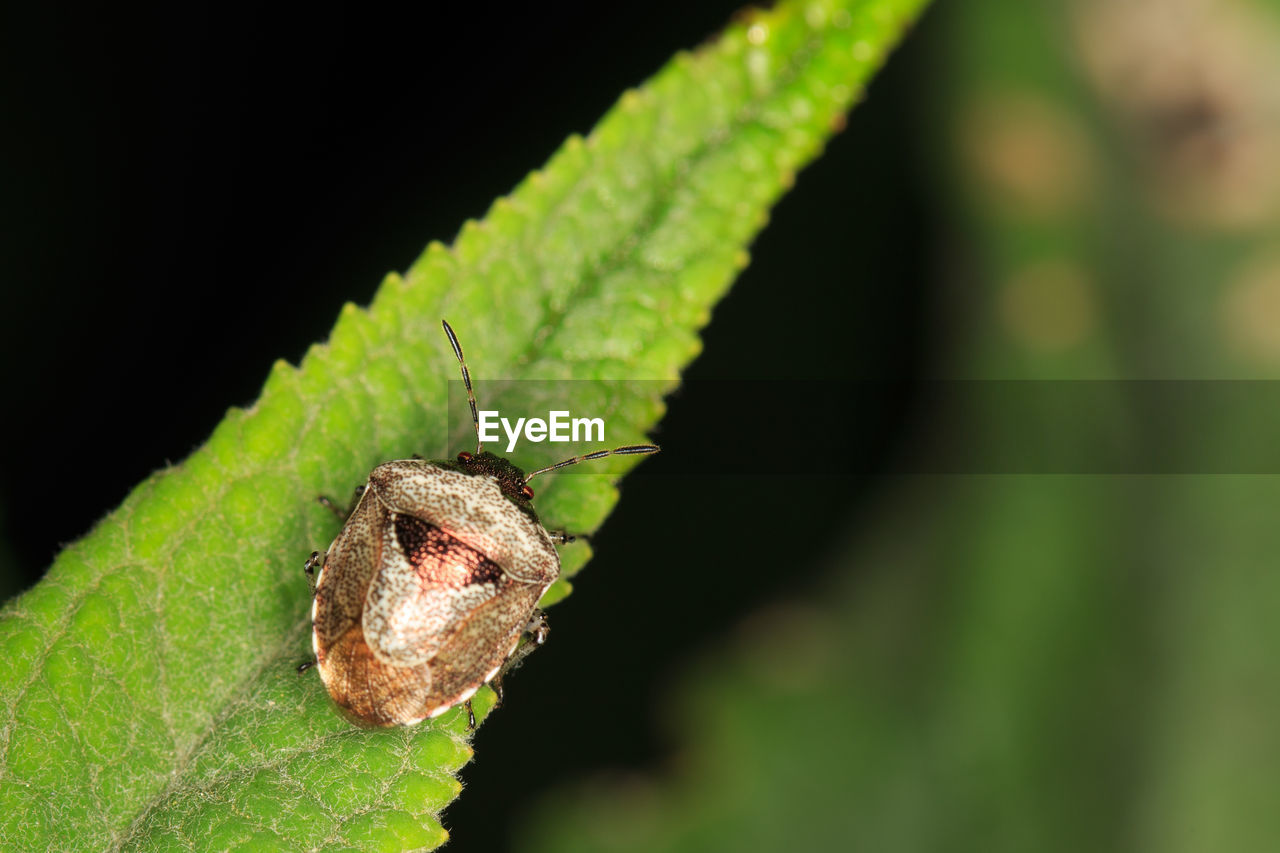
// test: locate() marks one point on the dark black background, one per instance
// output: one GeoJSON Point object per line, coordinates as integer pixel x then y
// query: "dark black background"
{"type": "Point", "coordinates": [191, 193]}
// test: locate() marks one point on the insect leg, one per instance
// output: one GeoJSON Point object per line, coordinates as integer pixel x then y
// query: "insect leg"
{"type": "Point", "coordinates": [306, 665]}
{"type": "Point", "coordinates": [316, 559]}
{"type": "Point", "coordinates": [342, 514]}
{"type": "Point", "coordinates": [534, 636]}
{"type": "Point", "coordinates": [328, 503]}
{"type": "Point", "coordinates": [471, 717]}
{"type": "Point", "coordinates": [562, 537]}
{"type": "Point", "coordinates": [538, 628]}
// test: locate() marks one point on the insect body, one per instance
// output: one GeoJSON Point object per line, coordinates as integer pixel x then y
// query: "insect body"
{"type": "Point", "coordinates": [431, 588]}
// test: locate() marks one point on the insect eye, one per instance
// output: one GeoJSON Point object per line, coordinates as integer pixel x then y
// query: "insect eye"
{"type": "Point", "coordinates": [527, 491]}
{"type": "Point", "coordinates": [464, 456]}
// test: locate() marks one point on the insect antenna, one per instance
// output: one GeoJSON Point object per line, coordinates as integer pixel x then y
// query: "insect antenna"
{"type": "Point", "coordinates": [599, 454]}
{"type": "Point", "coordinates": [466, 380]}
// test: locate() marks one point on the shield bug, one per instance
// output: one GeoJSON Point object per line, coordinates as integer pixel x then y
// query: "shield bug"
{"type": "Point", "coordinates": [431, 588]}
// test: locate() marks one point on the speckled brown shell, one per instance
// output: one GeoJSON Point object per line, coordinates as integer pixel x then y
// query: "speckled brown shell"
{"type": "Point", "coordinates": [425, 592]}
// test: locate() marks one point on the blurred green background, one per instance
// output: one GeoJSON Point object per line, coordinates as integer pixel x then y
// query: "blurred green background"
{"type": "Point", "coordinates": [1055, 191]}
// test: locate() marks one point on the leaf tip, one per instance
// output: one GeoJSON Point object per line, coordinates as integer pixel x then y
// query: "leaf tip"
{"type": "Point", "coordinates": [683, 59]}
{"type": "Point", "coordinates": [631, 100]}
{"type": "Point", "coordinates": [281, 368]}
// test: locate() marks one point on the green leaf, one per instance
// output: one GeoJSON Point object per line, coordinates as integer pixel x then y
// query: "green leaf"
{"type": "Point", "coordinates": [147, 682]}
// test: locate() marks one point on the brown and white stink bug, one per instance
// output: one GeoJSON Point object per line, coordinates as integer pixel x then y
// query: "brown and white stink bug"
{"type": "Point", "coordinates": [431, 588]}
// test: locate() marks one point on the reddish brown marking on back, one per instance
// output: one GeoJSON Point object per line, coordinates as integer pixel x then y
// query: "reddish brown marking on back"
{"type": "Point", "coordinates": [442, 560]}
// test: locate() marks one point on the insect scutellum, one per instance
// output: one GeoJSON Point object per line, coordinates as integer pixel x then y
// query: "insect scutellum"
{"type": "Point", "coordinates": [491, 460]}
